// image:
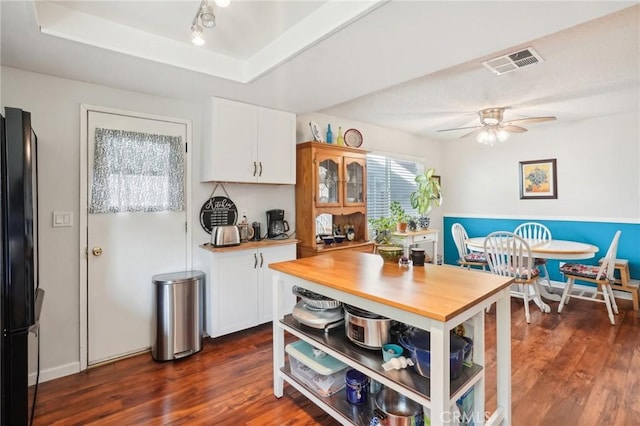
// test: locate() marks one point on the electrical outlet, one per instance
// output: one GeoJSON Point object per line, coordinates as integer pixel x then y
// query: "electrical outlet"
{"type": "Point", "coordinates": [244, 213]}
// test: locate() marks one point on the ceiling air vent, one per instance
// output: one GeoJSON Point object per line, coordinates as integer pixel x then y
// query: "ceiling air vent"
{"type": "Point", "coordinates": [513, 61]}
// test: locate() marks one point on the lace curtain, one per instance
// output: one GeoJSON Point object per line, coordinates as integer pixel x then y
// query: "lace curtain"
{"type": "Point", "coordinates": [137, 172]}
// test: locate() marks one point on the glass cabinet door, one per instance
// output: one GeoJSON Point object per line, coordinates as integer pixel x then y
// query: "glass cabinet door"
{"type": "Point", "coordinates": [328, 180]}
{"type": "Point", "coordinates": [354, 181]}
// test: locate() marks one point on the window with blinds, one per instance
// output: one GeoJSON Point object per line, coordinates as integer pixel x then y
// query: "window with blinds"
{"type": "Point", "coordinates": [390, 179]}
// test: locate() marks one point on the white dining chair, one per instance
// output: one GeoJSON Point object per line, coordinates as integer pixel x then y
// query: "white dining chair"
{"type": "Point", "coordinates": [466, 258]}
{"type": "Point", "coordinates": [602, 276]}
{"type": "Point", "coordinates": [509, 255]}
{"type": "Point", "coordinates": [536, 232]}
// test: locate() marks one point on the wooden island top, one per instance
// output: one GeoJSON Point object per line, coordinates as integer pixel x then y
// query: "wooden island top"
{"type": "Point", "coordinates": [439, 292]}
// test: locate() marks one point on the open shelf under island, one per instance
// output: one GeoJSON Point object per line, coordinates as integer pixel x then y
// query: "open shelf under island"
{"type": "Point", "coordinates": [433, 298]}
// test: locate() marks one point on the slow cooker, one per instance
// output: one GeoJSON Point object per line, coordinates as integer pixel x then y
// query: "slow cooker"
{"type": "Point", "coordinates": [365, 328]}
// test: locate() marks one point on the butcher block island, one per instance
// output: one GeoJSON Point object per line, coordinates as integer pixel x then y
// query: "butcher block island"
{"type": "Point", "coordinates": [431, 297]}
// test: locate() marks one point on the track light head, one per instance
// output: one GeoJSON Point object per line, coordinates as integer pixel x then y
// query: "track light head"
{"type": "Point", "coordinates": [196, 35]}
{"type": "Point", "coordinates": [207, 18]}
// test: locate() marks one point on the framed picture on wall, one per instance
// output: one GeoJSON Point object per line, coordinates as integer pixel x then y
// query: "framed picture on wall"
{"type": "Point", "coordinates": [538, 179]}
{"type": "Point", "coordinates": [437, 178]}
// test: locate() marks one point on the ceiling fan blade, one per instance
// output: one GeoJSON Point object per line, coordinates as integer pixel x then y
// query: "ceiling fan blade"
{"type": "Point", "coordinates": [530, 120]}
{"type": "Point", "coordinates": [513, 129]}
{"type": "Point", "coordinates": [458, 128]}
{"type": "Point", "coordinates": [475, 132]}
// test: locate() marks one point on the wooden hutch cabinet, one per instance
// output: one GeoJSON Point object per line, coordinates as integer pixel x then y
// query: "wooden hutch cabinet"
{"type": "Point", "coordinates": [331, 180]}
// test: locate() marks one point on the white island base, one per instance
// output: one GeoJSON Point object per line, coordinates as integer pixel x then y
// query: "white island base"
{"type": "Point", "coordinates": [433, 298]}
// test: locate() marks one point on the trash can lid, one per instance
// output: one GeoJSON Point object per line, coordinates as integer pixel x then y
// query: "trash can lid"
{"type": "Point", "coordinates": [177, 277]}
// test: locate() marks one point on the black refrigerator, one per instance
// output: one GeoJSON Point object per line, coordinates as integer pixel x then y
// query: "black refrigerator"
{"type": "Point", "coordinates": [19, 235]}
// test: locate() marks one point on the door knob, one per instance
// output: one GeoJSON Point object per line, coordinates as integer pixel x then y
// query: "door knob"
{"type": "Point", "coordinates": [97, 251]}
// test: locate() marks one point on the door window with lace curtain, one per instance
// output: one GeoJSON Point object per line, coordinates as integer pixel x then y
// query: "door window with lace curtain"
{"type": "Point", "coordinates": [137, 172]}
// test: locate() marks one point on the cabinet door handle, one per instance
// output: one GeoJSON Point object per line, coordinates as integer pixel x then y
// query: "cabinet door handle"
{"type": "Point", "coordinates": [255, 168]}
{"type": "Point", "coordinates": [255, 261]}
{"type": "Point", "coordinates": [260, 174]}
{"type": "Point", "coordinates": [261, 260]}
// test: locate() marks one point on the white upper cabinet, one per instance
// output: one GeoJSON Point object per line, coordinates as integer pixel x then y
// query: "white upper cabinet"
{"type": "Point", "coordinates": [247, 143]}
{"type": "Point", "coordinates": [276, 146]}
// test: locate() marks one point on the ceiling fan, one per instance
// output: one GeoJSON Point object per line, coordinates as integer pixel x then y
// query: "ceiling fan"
{"type": "Point", "coordinates": [492, 129]}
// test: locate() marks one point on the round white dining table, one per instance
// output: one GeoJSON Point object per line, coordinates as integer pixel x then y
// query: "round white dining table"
{"type": "Point", "coordinates": [551, 249]}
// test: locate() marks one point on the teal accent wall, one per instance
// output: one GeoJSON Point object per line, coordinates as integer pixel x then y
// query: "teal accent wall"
{"type": "Point", "coordinates": [599, 234]}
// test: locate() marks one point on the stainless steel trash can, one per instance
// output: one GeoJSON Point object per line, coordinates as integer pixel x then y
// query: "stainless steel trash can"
{"type": "Point", "coordinates": [178, 314]}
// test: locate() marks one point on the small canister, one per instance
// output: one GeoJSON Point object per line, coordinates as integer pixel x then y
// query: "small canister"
{"type": "Point", "coordinates": [357, 384]}
{"type": "Point", "coordinates": [246, 232]}
{"type": "Point", "coordinates": [417, 256]}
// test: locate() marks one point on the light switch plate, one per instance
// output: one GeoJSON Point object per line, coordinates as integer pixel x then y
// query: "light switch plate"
{"type": "Point", "coordinates": [62, 219]}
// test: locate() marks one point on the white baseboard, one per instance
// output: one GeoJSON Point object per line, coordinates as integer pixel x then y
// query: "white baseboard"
{"type": "Point", "coordinates": [55, 372]}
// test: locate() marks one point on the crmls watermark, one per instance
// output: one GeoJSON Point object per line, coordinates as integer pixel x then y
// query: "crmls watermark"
{"type": "Point", "coordinates": [456, 417]}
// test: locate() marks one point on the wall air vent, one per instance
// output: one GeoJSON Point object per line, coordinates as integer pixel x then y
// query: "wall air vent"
{"type": "Point", "coordinates": [513, 61]}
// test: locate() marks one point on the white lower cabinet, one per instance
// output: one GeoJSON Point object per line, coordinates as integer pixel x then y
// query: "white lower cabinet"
{"type": "Point", "coordinates": [265, 280]}
{"type": "Point", "coordinates": [238, 288]}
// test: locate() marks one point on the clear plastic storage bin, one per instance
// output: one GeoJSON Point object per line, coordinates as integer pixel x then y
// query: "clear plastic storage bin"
{"type": "Point", "coordinates": [319, 371]}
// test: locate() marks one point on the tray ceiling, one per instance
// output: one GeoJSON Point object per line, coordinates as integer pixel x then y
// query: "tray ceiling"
{"type": "Point", "coordinates": [411, 65]}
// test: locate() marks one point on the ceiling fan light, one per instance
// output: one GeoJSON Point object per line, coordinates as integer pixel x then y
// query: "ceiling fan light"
{"type": "Point", "coordinates": [486, 137]}
{"type": "Point", "coordinates": [207, 18]}
{"type": "Point", "coordinates": [502, 135]}
{"type": "Point", "coordinates": [196, 35]}
{"type": "Point", "coordinates": [222, 3]}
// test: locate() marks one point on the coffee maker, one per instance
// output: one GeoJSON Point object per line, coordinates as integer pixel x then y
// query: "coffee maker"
{"type": "Point", "coordinates": [276, 225]}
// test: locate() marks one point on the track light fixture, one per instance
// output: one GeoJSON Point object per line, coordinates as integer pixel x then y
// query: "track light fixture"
{"type": "Point", "coordinates": [205, 18]}
{"type": "Point", "coordinates": [196, 35]}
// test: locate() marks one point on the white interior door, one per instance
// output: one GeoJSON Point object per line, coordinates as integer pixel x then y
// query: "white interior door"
{"type": "Point", "coordinates": [125, 250]}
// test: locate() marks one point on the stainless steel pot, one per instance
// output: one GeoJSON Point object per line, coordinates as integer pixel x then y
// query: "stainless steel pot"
{"type": "Point", "coordinates": [395, 409]}
{"type": "Point", "coordinates": [365, 328]}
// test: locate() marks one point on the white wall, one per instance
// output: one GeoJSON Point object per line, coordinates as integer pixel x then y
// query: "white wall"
{"type": "Point", "coordinates": [54, 104]}
{"type": "Point", "coordinates": [376, 139]}
{"type": "Point", "coordinates": [597, 170]}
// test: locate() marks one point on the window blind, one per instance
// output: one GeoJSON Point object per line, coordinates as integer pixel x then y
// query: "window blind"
{"type": "Point", "coordinates": [390, 179]}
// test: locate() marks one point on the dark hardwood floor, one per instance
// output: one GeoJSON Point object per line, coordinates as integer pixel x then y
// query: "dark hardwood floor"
{"type": "Point", "coordinates": [568, 369]}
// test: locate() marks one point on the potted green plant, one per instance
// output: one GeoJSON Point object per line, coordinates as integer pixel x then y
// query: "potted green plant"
{"type": "Point", "coordinates": [399, 216]}
{"type": "Point", "coordinates": [382, 227]}
{"type": "Point", "coordinates": [427, 195]}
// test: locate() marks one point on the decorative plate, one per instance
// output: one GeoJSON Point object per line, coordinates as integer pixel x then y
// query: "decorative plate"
{"type": "Point", "coordinates": [353, 138]}
{"type": "Point", "coordinates": [315, 131]}
{"type": "Point", "coordinates": [218, 211]}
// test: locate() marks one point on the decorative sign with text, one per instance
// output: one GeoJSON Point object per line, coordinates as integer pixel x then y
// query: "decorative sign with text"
{"type": "Point", "coordinates": [217, 211]}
